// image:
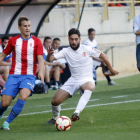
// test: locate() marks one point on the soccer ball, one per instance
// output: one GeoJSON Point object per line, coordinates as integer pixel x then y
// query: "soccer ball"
{"type": "Point", "coordinates": [63, 123]}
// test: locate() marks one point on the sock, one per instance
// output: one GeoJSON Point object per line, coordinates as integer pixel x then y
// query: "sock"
{"type": "Point", "coordinates": [2, 110]}
{"type": "Point", "coordinates": [56, 111]}
{"type": "Point", "coordinates": [106, 68]}
{"type": "Point", "coordinates": [108, 78]}
{"type": "Point", "coordinates": [56, 83]}
{"type": "Point", "coordinates": [17, 108]}
{"type": "Point", "coordinates": [83, 101]}
{"type": "Point", "coordinates": [48, 84]}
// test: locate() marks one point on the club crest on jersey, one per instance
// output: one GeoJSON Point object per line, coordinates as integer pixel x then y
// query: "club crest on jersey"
{"type": "Point", "coordinates": [84, 54]}
{"type": "Point", "coordinates": [30, 44]}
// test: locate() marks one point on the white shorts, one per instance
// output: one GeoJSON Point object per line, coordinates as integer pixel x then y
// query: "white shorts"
{"type": "Point", "coordinates": [96, 64]}
{"type": "Point", "coordinates": [50, 67]}
{"type": "Point", "coordinates": [72, 85]}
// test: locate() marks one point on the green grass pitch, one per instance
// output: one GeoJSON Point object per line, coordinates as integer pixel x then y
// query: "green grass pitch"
{"type": "Point", "coordinates": [113, 113]}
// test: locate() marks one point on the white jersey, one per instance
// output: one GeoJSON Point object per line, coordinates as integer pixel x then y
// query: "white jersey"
{"type": "Point", "coordinates": [80, 61]}
{"type": "Point", "coordinates": [1, 49]}
{"type": "Point", "coordinates": [92, 43]}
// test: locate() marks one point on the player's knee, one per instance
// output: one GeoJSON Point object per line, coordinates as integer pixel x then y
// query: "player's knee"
{"type": "Point", "coordinates": [22, 97]}
{"type": "Point", "coordinates": [55, 102]}
{"type": "Point", "coordinates": [4, 104]}
{"type": "Point", "coordinates": [90, 87]}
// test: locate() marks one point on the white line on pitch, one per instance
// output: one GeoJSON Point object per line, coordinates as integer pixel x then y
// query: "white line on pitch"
{"type": "Point", "coordinates": [61, 104]}
{"type": "Point", "coordinates": [114, 103]}
{"type": "Point", "coordinates": [119, 96]}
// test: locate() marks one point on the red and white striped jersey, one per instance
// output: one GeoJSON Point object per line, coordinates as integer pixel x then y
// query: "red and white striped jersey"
{"type": "Point", "coordinates": [25, 52]}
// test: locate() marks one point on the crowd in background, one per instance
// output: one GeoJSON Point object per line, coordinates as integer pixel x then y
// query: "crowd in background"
{"type": "Point", "coordinates": [99, 5]}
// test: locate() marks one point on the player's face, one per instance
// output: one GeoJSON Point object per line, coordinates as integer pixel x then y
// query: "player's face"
{"type": "Point", "coordinates": [5, 42]}
{"type": "Point", "coordinates": [91, 35]}
{"type": "Point", "coordinates": [25, 28]}
{"type": "Point", "coordinates": [56, 44]}
{"type": "Point", "coordinates": [47, 43]}
{"type": "Point", "coordinates": [74, 41]}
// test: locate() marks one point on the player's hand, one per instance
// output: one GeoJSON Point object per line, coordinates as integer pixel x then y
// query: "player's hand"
{"type": "Point", "coordinates": [50, 50]}
{"type": "Point", "coordinates": [41, 77]}
{"type": "Point", "coordinates": [114, 72]}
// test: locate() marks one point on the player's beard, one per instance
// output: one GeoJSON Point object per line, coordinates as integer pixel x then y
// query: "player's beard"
{"type": "Point", "coordinates": [75, 48]}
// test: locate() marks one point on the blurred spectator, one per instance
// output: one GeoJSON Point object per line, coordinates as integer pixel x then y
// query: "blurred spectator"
{"type": "Point", "coordinates": [117, 4]}
{"type": "Point", "coordinates": [124, 4]}
{"type": "Point", "coordinates": [96, 5]}
{"type": "Point", "coordinates": [136, 30]}
{"type": "Point", "coordinates": [137, 4]}
{"type": "Point", "coordinates": [4, 70]}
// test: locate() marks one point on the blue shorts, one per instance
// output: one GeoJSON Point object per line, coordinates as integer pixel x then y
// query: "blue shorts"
{"type": "Point", "coordinates": [17, 82]}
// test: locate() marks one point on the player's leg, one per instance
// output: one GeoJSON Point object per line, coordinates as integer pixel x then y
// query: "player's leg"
{"type": "Point", "coordinates": [56, 74]}
{"type": "Point", "coordinates": [138, 56]}
{"type": "Point", "coordinates": [2, 82]}
{"type": "Point", "coordinates": [107, 74]}
{"type": "Point", "coordinates": [17, 108]}
{"type": "Point", "coordinates": [5, 71]}
{"type": "Point", "coordinates": [26, 85]}
{"type": "Point", "coordinates": [5, 102]}
{"type": "Point", "coordinates": [87, 89]}
{"type": "Point", "coordinates": [59, 97]}
{"type": "Point", "coordinates": [47, 76]}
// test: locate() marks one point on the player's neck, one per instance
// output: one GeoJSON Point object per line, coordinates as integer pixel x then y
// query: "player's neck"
{"type": "Point", "coordinates": [25, 37]}
{"type": "Point", "coordinates": [91, 39]}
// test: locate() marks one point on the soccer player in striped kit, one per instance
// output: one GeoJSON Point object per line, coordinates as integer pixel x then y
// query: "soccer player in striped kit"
{"type": "Point", "coordinates": [26, 50]}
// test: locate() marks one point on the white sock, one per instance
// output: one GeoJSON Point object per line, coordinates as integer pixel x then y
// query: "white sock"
{"type": "Point", "coordinates": [83, 101]}
{"type": "Point", "coordinates": [56, 111]}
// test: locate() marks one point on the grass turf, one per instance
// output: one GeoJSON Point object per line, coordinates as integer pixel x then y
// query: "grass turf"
{"type": "Point", "coordinates": [111, 114]}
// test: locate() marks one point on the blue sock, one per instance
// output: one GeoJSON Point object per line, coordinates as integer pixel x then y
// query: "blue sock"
{"type": "Point", "coordinates": [2, 110]}
{"type": "Point", "coordinates": [17, 108]}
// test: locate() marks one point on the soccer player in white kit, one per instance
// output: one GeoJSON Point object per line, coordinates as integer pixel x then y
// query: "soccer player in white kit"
{"type": "Point", "coordinates": [79, 59]}
{"type": "Point", "coordinates": [90, 41]}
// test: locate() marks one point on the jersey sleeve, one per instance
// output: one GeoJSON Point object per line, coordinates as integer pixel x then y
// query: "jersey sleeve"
{"type": "Point", "coordinates": [9, 48]}
{"type": "Point", "coordinates": [93, 52]}
{"type": "Point", "coordinates": [39, 48]}
{"type": "Point", "coordinates": [60, 54]}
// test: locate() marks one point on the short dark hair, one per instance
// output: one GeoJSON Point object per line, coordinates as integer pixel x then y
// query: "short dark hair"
{"type": "Point", "coordinates": [4, 37]}
{"type": "Point", "coordinates": [56, 39]}
{"type": "Point", "coordinates": [90, 30]}
{"type": "Point", "coordinates": [22, 19]}
{"type": "Point", "coordinates": [47, 37]}
{"type": "Point", "coordinates": [74, 31]}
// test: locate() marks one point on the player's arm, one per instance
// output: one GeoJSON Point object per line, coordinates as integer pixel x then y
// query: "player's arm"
{"type": "Point", "coordinates": [40, 67]}
{"type": "Point", "coordinates": [40, 60]}
{"type": "Point", "coordinates": [62, 66]}
{"type": "Point", "coordinates": [50, 57]}
{"type": "Point", "coordinates": [97, 59]}
{"type": "Point", "coordinates": [51, 64]}
{"type": "Point", "coordinates": [137, 32]}
{"type": "Point", "coordinates": [2, 63]}
{"type": "Point", "coordinates": [103, 56]}
{"type": "Point", "coordinates": [136, 27]}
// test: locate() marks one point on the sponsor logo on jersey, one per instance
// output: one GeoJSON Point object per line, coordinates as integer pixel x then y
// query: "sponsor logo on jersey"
{"type": "Point", "coordinates": [30, 44]}
{"type": "Point", "coordinates": [84, 54]}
